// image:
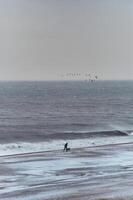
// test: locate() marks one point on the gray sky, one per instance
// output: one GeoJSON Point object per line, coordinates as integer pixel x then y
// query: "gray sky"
{"type": "Point", "coordinates": [41, 39]}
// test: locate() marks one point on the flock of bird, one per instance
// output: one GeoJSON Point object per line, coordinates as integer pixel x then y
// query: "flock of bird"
{"type": "Point", "coordinates": [80, 76]}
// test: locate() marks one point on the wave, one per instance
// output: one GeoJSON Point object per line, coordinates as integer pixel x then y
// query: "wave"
{"type": "Point", "coordinates": [27, 147]}
{"type": "Point", "coordinates": [131, 133]}
{"type": "Point", "coordinates": [33, 147]}
{"type": "Point", "coordinates": [88, 134]}
{"type": "Point", "coordinates": [78, 124]}
{"type": "Point", "coordinates": [74, 138]}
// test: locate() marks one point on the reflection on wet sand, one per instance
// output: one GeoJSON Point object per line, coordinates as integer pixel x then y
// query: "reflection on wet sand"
{"type": "Point", "coordinates": [104, 172]}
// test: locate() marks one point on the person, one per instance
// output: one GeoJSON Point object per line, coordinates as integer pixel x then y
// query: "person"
{"type": "Point", "coordinates": [65, 146]}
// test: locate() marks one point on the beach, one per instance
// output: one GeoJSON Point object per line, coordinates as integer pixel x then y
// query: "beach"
{"type": "Point", "coordinates": [97, 172]}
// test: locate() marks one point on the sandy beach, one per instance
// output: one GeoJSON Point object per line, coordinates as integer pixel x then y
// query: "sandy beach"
{"type": "Point", "coordinates": [99, 172]}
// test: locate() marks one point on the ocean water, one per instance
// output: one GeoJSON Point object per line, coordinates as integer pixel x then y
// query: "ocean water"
{"type": "Point", "coordinates": [33, 112]}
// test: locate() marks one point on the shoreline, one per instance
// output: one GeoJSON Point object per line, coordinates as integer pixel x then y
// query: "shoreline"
{"type": "Point", "coordinates": [51, 145]}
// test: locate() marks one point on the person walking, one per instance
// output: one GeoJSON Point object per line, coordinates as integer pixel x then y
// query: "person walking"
{"type": "Point", "coordinates": [65, 146]}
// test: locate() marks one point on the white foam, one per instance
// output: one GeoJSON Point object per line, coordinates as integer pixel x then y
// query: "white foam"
{"type": "Point", "coordinates": [26, 147]}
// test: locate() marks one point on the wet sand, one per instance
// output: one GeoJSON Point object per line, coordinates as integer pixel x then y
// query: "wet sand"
{"type": "Point", "coordinates": [95, 173]}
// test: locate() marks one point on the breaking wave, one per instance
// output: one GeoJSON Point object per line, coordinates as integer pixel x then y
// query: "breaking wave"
{"type": "Point", "coordinates": [87, 134]}
{"type": "Point", "coordinates": [90, 141]}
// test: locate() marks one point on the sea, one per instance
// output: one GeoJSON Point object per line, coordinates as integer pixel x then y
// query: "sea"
{"type": "Point", "coordinates": [43, 115]}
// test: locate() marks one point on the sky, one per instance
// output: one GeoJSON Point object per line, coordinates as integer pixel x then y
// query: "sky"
{"type": "Point", "coordinates": [45, 39]}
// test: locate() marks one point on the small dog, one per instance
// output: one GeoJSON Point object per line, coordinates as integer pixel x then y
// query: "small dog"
{"type": "Point", "coordinates": [68, 149]}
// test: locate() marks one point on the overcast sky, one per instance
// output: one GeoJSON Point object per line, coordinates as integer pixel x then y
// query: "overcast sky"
{"type": "Point", "coordinates": [42, 39]}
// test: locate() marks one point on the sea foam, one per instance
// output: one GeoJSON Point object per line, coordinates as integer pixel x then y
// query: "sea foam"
{"type": "Point", "coordinates": [27, 147]}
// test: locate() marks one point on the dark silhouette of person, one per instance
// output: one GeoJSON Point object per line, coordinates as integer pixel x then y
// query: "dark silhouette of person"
{"type": "Point", "coordinates": [65, 146]}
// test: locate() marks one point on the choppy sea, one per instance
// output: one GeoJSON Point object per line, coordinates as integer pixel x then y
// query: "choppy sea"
{"type": "Point", "coordinates": [36, 116]}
